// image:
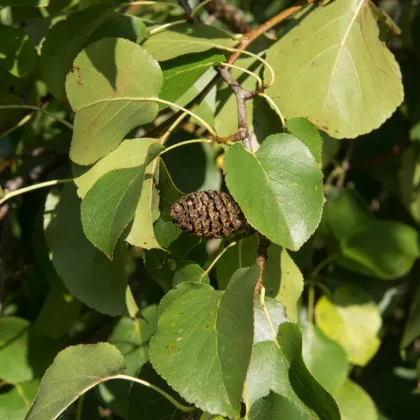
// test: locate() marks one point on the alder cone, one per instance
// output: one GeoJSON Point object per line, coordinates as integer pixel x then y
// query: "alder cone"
{"type": "Point", "coordinates": [208, 214]}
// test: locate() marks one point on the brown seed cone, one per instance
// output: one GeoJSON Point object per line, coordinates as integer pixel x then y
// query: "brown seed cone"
{"type": "Point", "coordinates": [209, 214]}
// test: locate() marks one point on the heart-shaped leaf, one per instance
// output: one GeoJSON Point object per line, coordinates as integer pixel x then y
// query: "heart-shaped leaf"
{"type": "Point", "coordinates": [279, 188]}
{"type": "Point", "coordinates": [205, 357]}
{"type": "Point", "coordinates": [110, 88]}
{"type": "Point", "coordinates": [339, 74]}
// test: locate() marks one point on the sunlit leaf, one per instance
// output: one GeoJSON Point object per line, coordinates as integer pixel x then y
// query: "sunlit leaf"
{"type": "Point", "coordinates": [15, 403]}
{"type": "Point", "coordinates": [281, 182]}
{"type": "Point", "coordinates": [86, 272]}
{"type": "Point", "coordinates": [205, 357]}
{"type": "Point", "coordinates": [108, 97]}
{"type": "Point", "coordinates": [186, 39]}
{"type": "Point", "coordinates": [339, 75]}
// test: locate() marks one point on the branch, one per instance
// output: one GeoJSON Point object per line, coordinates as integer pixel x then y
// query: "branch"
{"type": "Point", "coordinates": [242, 96]}
{"type": "Point", "coordinates": [228, 14]}
{"type": "Point", "coordinates": [261, 260]}
{"type": "Point", "coordinates": [251, 36]}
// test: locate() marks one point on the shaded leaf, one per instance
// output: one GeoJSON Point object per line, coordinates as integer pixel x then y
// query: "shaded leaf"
{"type": "Point", "coordinates": [324, 358]}
{"type": "Point", "coordinates": [25, 3]}
{"type": "Point", "coordinates": [412, 326]}
{"type": "Point", "coordinates": [182, 72]}
{"type": "Point", "coordinates": [75, 370]}
{"type": "Point", "coordinates": [186, 38]}
{"type": "Point", "coordinates": [283, 280]}
{"type": "Point", "coordinates": [239, 256]}
{"type": "Point", "coordinates": [205, 358]}
{"type": "Point", "coordinates": [191, 272]}
{"type": "Point", "coordinates": [15, 403]}
{"type": "Point", "coordinates": [352, 320]}
{"type": "Point", "coordinates": [65, 40]}
{"type": "Point", "coordinates": [383, 249]}
{"type": "Point", "coordinates": [108, 97]}
{"type": "Point", "coordinates": [120, 26]}
{"type": "Point", "coordinates": [24, 352]}
{"type": "Point", "coordinates": [279, 382]}
{"type": "Point", "coordinates": [345, 213]}
{"type": "Point", "coordinates": [146, 400]}
{"type": "Point", "coordinates": [17, 55]}
{"type": "Point", "coordinates": [280, 182]}
{"type": "Point", "coordinates": [110, 205]}
{"type": "Point", "coordinates": [340, 75]}
{"type": "Point", "coordinates": [86, 272]}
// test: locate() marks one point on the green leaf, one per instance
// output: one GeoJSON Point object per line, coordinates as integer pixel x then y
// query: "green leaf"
{"type": "Point", "coordinates": [283, 280]}
{"type": "Point", "coordinates": [324, 358]}
{"type": "Point", "coordinates": [146, 400]}
{"type": "Point", "coordinates": [279, 382]}
{"type": "Point", "coordinates": [14, 404]}
{"type": "Point", "coordinates": [205, 357]}
{"type": "Point", "coordinates": [262, 328]}
{"type": "Point", "coordinates": [65, 40]}
{"type": "Point", "coordinates": [383, 249]}
{"type": "Point", "coordinates": [58, 313]}
{"type": "Point", "coordinates": [355, 403]}
{"type": "Point", "coordinates": [110, 205]}
{"type": "Point", "coordinates": [24, 352]}
{"type": "Point", "coordinates": [409, 182]}
{"type": "Point", "coordinates": [131, 338]}
{"type": "Point", "coordinates": [412, 326]}
{"type": "Point", "coordinates": [306, 132]}
{"type": "Point", "coordinates": [191, 272]}
{"type": "Point", "coordinates": [120, 26]}
{"type": "Point", "coordinates": [186, 39]}
{"type": "Point", "coordinates": [86, 272]}
{"type": "Point", "coordinates": [352, 320]}
{"type": "Point", "coordinates": [182, 72]}
{"type": "Point", "coordinates": [175, 240]}
{"type": "Point", "coordinates": [281, 182]}
{"type": "Point", "coordinates": [345, 205]}
{"type": "Point", "coordinates": [340, 75]}
{"type": "Point", "coordinates": [108, 97]}
{"type": "Point", "coordinates": [75, 370]}
{"type": "Point", "coordinates": [17, 55]}
{"type": "Point", "coordinates": [239, 256]}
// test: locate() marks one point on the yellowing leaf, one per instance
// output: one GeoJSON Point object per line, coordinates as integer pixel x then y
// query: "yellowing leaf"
{"type": "Point", "coordinates": [353, 321]}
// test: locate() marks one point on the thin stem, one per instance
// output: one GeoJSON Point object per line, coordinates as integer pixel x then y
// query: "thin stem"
{"type": "Point", "coordinates": [175, 124]}
{"type": "Point", "coordinates": [251, 36]}
{"type": "Point", "coordinates": [21, 191]}
{"type": "Point", "coordinates": [257, 57]}
{"type": "Point", "coordinates": [199, 7]}
{"type": "Point", "coordinates": [183, 143]}
{"type": "Point", "coordinates": [147, 3]}
{"type": "Point", "coordinates": [172, 400]}
{"type": "Point", "coordinates": [42, 110]}
{"type": "Point", "coordinates": [19, 124]}
{"type": "Point", "coordinates": [192, 114]}
{"type": "Point", "coordinates": [274, 106]}
{"type": "Point", "coordinates": [219, 255]}
{"type": "Point", "coordinates": [321, 286]}
{"type": "Point", "coordinates": [267, 315]}
{"type": "Point", "coordinates": [322, 265]}
{"type": "Point", "coordinates": [79, 411]}
{"type": "Point", "coordinates": [166, 26]}
{"type": "Point", "coordinates": [233, 66]}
